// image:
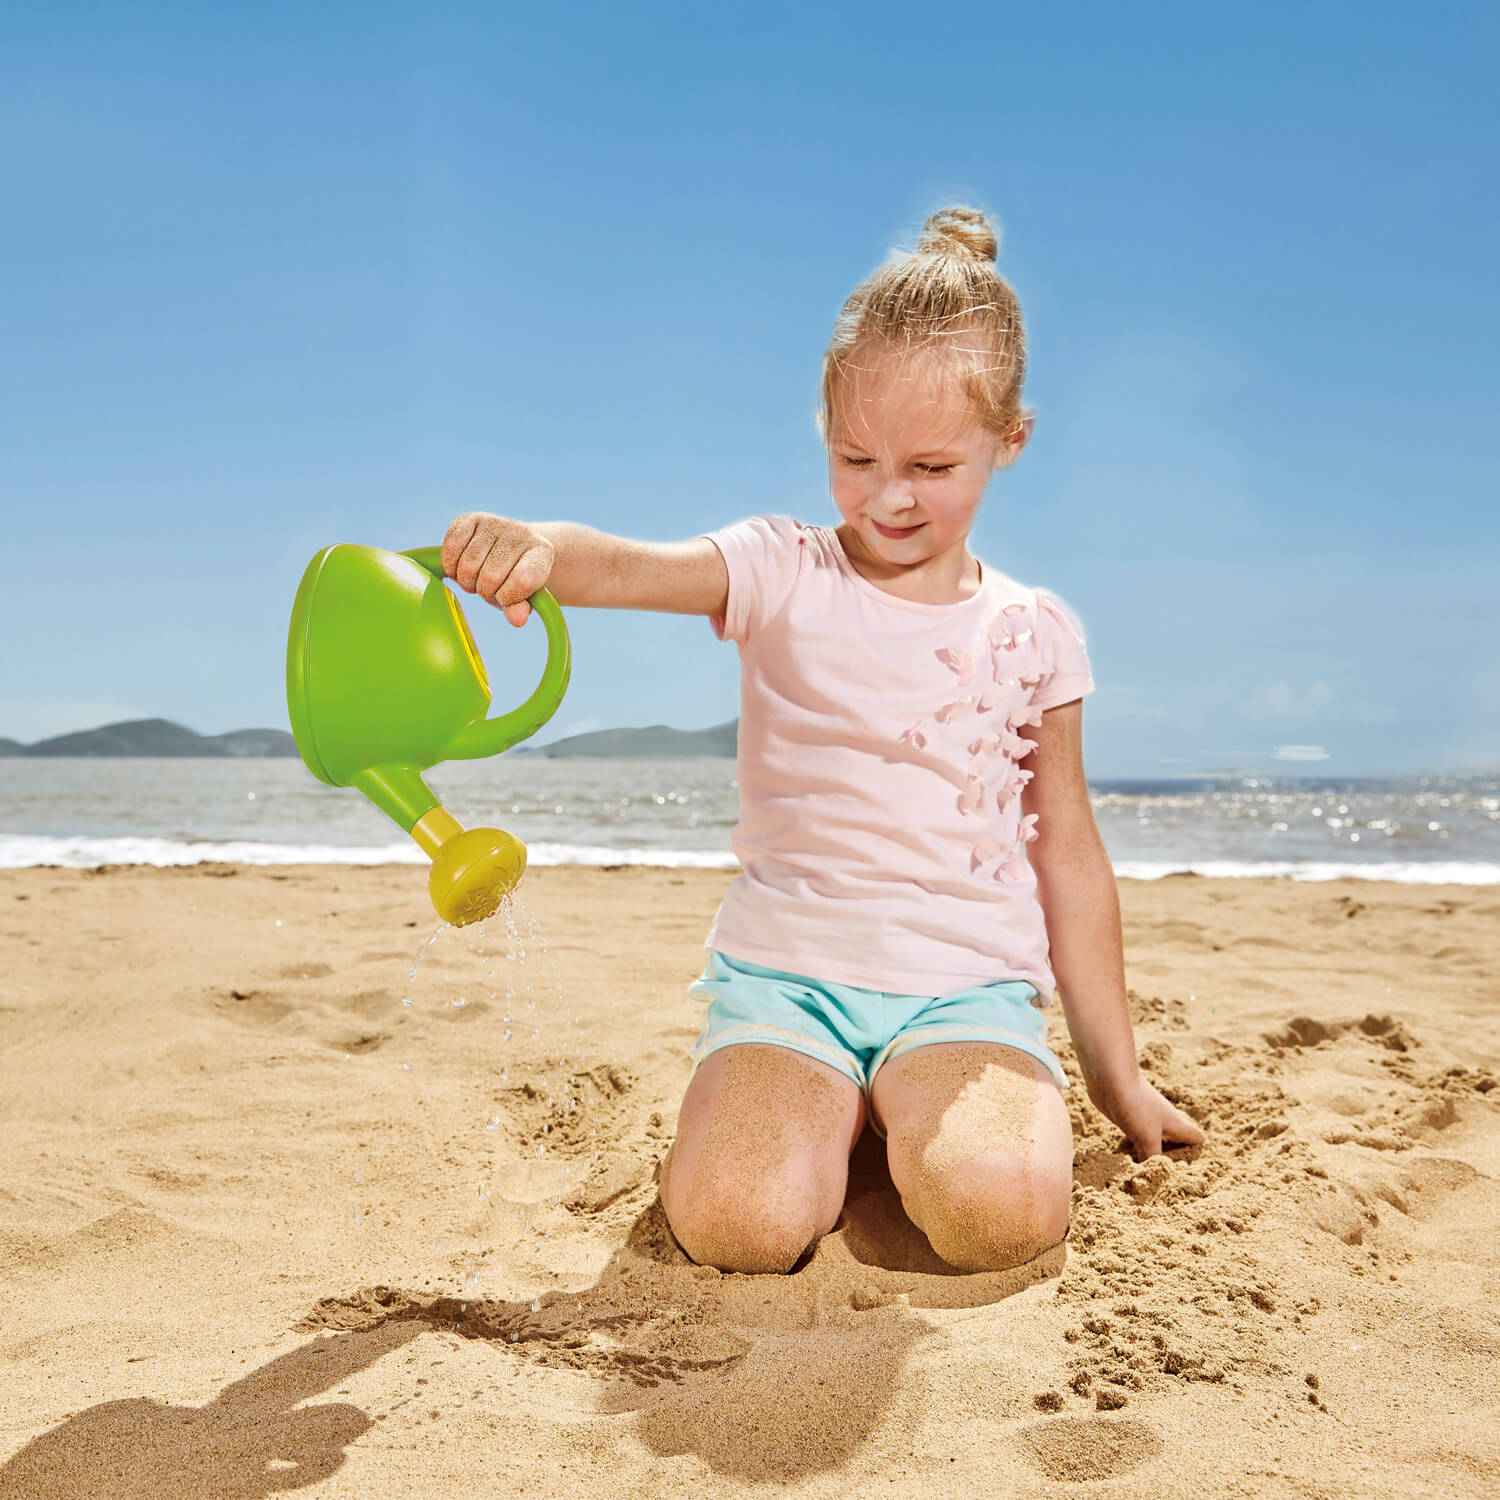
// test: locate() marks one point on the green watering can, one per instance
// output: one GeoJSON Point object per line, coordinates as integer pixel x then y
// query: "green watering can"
{"type": "Point", "coordinates": [383, 681]}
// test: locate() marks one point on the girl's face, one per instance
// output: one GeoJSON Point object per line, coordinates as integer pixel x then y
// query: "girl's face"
{"type": "Point", "coordinates": [909, 461]}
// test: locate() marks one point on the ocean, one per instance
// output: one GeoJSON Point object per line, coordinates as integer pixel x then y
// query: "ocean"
{"type": "Point", "coordinates": [680, 811]}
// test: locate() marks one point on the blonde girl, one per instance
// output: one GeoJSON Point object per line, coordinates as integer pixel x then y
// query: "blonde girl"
{"type": "Point", "coordinates": [920, 876]}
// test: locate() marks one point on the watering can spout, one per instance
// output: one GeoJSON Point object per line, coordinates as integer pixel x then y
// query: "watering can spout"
{"type": "Point", "coordinates": [384, 681]}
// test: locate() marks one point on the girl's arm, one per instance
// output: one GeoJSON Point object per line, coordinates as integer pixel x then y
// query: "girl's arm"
{"type": "Point", "coordinates": [506, 561]}
{"type": "Point", "coordinates": [1081, 904]}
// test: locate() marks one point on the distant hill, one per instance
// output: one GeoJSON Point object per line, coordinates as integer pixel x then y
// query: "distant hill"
{"type": "Point", "coordinates": [653, 742]}
{"type": "Point", "coordinates": [161, 737]}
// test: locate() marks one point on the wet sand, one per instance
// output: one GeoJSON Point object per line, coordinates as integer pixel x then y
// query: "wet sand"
{"type": "Point", "coordinates": [265, 1229]}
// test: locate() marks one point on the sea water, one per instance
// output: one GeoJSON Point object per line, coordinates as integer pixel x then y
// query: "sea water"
{"type": "Point", "coordinates": [681, 812]}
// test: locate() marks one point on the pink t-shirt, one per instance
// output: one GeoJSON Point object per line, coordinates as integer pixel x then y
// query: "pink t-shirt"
{"type": "Point", "coordinates": [881, 840]}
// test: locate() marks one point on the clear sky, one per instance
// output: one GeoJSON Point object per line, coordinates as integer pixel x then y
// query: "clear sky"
{"type": "Point", "coordinates": [282, 275]}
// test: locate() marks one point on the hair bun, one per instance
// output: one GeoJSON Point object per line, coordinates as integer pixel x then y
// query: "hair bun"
{"type": "Point", "coordinates": [959, 231]}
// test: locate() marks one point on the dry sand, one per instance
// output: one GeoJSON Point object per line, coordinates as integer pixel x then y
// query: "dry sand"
{"type": "Point", "coordinates": [245, 1246]}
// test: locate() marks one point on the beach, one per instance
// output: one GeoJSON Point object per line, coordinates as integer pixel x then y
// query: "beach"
{"type": "Point", "coordinates": [266, 1228]}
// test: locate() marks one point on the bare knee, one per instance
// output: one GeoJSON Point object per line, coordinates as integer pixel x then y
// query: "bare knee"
{"type": "Point", "coordinates": [763, 1230]}
{"type": "Point", "coordinates": [990, 1212]}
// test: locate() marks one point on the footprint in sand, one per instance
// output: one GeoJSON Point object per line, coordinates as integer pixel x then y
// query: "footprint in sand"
{"type": "Point", "coordinates": [328, 1022]}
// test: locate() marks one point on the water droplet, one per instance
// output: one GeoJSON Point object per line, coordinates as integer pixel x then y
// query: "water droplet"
{"type": "Point", "coordinates": [278, 921]}
{"type": "Point", "coordinates": [493, 1123]}
{"type": "Point", "coordinates": [407, 1001]}
{"type": "Point", "coordinates": [536, 1305]}
{"type": "Point", "coordinates": [504, 1074]}
{"type": "Point", "coordinates": [507, 1033]}
{"type": "Point", "coordinates": [540, 1149]}
{"type": "Point", "coordinates": [406, 1067]}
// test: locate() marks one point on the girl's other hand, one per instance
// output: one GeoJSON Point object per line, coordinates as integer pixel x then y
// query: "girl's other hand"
{"type": "Point", "coordinates": [503, 561]}
{"type": "Point", "coordinates": [1149, 1120]}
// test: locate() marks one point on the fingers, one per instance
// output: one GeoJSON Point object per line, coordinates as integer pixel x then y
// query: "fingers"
{"type": "Point", "coordinates": [1175, 1128]}
{"type": "Point", "coordinates": [1180, 1127]}
{"type": "Point", "coordinates": [459, 533]}
{"type": "Point", "coordinates": [504, 562]}
{"type": "Point", "coordinates": [507, 581]}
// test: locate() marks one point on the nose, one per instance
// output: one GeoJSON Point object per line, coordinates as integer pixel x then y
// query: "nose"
{"type": "Point", "coordinates": [894, 499]}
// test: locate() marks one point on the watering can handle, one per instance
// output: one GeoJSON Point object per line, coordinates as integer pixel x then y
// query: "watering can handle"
{"type": "Point", "coordinates": [491, 736]}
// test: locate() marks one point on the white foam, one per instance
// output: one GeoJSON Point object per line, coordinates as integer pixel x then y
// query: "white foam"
{"type": "Point", "coordinates": [26, 851]}
{"type": "Point", "coordinates": [1403, 872]}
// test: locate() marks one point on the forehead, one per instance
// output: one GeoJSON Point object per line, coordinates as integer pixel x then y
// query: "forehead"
{"type": "Point", "coordinates": [904, 403]}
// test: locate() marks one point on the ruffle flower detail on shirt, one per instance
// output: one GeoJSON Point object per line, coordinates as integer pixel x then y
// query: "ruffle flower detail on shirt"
{"type": "Point", "coordinates": [1012, 643]}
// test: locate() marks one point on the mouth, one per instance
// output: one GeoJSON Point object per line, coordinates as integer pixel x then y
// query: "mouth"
{"type": "Point", "coordinates": [895, 533]}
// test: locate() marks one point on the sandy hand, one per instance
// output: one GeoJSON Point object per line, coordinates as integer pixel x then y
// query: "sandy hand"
{"type": "Point", "coordinates": [503, 561]}
{"type": "Point", "coordinates": [1144, 1115]}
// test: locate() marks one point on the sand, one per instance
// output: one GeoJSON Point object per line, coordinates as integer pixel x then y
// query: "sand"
{"type": "Point", "coordinates": [263, 1228]}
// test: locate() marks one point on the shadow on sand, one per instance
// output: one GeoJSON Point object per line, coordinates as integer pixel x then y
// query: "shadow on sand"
{"type": "Point", "coordinates": [251, 1440]}
{"type": "Point", "coordinates": [767, 1378]}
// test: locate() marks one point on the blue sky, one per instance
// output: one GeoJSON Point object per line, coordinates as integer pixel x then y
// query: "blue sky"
{"type": "Point", "coordinates": [283, 276]}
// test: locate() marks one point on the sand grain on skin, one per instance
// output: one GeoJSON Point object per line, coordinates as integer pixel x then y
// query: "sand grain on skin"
{"type": "Point", "coordinates": [970, 1106]}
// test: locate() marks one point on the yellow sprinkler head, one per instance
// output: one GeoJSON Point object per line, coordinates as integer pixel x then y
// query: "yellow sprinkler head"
{"type": "Point", "coordinates": [473, 869]}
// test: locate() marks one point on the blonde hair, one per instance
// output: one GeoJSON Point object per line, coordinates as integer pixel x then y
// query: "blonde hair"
{"type": "Point", "coordinates": [945, 298]}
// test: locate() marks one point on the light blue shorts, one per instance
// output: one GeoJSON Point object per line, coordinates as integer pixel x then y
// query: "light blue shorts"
{"type": "Point", "coordinates": [858, 1031]}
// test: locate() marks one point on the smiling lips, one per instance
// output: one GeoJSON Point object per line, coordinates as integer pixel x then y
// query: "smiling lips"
{"type": "Point", "coordinates": [894, 532]}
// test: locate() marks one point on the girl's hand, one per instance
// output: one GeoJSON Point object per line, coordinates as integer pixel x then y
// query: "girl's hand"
{"type": "Point", "coordinates": [1145, 1117]}
{"type": "Point", "coordinates": [503, 561]}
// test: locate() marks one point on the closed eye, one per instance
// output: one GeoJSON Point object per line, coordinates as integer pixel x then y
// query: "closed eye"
{"type": "Point", "coordinates": [937, 469]}
{"type": "Point", "coordinates": [855, 463]}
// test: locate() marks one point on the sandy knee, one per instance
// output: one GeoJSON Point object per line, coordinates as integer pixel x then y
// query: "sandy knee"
{"type": "Point", "coordinates": [736, 1236]}
{"type": "Point", "coordinates": [743, 1214]}
{"type": "Point", "coordinates": [988, 1214]}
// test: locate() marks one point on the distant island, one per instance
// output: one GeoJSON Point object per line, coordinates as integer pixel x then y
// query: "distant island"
{"type": "Point", "coordinates": [162, 738]}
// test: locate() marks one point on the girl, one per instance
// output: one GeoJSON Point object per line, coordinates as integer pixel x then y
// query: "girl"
{"type": "Point", "coordinates": [906, 852]}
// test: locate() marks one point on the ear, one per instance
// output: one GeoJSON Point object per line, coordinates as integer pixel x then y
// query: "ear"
{"type": "Point", "coordinates": [1010, 446]}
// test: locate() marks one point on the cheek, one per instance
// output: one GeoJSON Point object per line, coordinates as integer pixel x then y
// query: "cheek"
{"type": "Point", "coordinates": [957, 503]}
{"type": "Point", "coordinates": [848, 490]}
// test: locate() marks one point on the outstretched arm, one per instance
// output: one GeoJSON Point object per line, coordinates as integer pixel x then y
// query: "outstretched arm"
{"type": "Point", "coordinates": [505, 561]}
{"type": "Point", "coordinates": [1076, 885]}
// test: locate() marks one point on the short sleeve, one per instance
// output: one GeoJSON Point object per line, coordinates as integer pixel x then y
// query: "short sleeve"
{"type": "Point", "coordinates": [763, 555]}
{"type": "Point", "coordinates": [1064, 657]}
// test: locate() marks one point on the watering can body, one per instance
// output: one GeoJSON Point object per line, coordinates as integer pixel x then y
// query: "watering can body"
{"type": "Point", "coordinates": [384, 681]}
